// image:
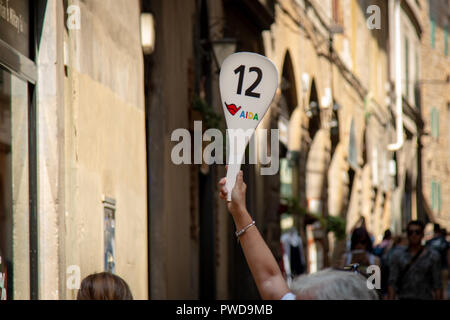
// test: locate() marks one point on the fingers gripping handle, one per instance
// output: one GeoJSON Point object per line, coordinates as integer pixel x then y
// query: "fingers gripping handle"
{"type": "Point", "coordinates": [233, 170]}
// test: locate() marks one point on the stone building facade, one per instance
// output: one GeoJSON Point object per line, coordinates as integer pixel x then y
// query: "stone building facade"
{"type": "Point", "coordinates": [335, 109]}
{"type": "Point", "coordinates": [407, 195]}
{"type": "Point", "coordinates": [342, 148]}
{"type": "Point", "coordinates": [78, 192]}
{"type": "Point", "coordinates": [104, 138]}
{"type": "Point", "coordinates": [435, 108]}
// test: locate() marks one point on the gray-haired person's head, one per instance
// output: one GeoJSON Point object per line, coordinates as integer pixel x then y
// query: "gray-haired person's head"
{"type": "Point", "coordinates": [330, 284]}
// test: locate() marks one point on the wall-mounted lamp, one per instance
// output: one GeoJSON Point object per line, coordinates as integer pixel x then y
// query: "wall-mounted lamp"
{"type": "Point", "coordinates": [327, 99]}
{"type": "Point", "coordinates": [313, 109]}
{"type": "Point", "coordinates": [305, 82]}
{"type": "Point", "coordinates": [334, 123]}
{"type": "Point", "coordinates": [147, 33]}
{"type": "Point", "coordinates": [222, 48]}
{"type": "Point", "coordinates": [334, 127]}
{"type": "Point", "coordinates": [392, 167]}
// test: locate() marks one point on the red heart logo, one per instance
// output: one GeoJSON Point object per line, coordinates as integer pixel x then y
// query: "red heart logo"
{"type": "Point", "coordinates": [232, 108]}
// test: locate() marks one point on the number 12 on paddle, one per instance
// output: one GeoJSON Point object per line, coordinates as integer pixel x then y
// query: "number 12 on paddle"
{"type": "Point", "coordinates": [249, 92]}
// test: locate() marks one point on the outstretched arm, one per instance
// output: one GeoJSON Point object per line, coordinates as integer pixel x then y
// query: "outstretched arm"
{"type": "Point", "coordinates": [263, 266]}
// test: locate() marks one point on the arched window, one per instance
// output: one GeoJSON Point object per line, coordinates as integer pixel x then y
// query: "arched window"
{"type": "Point", "coordinates": [313, 112]}
{"type": "Point", "coordinates": [352, 151]}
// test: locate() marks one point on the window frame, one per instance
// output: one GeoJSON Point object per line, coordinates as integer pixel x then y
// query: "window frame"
{"type": "Point", "coordinates": [406, 68]}
{"type": "Point", "coordinates": [435, 127]}
{"type": "Point", "coordinates": [25, 68]}
{"type": "Point", "coordinates": [446, 40]}
{"type": "Point", "coordinates": [432, 28]}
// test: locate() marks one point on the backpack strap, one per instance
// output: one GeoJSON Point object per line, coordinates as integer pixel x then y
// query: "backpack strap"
{"type": "Point", "coordinates": [405, 270]}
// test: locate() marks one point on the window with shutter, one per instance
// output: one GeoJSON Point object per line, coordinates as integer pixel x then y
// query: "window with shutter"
{"type": "Point", "coordinates": [431, 7]}
{"type": "Point", "coordinates": [436, 196]}
{"type": "Point", "coordinates": [446, 40]}
{"type": "Point", "coordinates": [433, 196]}
{"type": "Point", "coordinates": [434, 123]}
{"type": "Point", "coordinates": [433, 33]}
{"type": "Point", "coordinates": [352, 152]}
{"type": "Point", "coordinates": [439, 200]}
{"type": "Point", "coordinates": [432, 25]}
{"type": "Point", "coordinates": [406, 68]}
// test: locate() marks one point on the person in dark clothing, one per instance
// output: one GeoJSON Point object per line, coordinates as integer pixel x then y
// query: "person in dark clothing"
{"type": "Point", "coordinates": [292, 247]}
{"type": "Point", "coordinates": [441, 246]}
{"type": "Point", "coordinates": [382, 251]}
{"type": "Point", "coordinates": [385, 245]}
{"type": "Point", "coordinates": [360, 251]}
{"type": "Point", "coordinates": [414, 271]}
{"type": "Point", "coordinates": [296, 262]}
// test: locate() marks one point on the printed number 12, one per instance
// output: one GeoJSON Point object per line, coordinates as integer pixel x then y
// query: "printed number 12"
{"type": "Point", "coordinates": [249, 92]}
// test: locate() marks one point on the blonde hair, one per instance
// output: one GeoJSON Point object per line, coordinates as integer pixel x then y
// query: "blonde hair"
{"type": "Point", "coordinates": [330, 284]}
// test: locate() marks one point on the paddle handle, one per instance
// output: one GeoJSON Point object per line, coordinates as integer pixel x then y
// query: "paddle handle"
{"type": "Point", "coordinates": [233, 170]}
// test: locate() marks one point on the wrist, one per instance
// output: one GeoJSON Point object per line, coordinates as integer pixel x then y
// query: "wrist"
{"type": "Point", "coordinates": [241, 218]}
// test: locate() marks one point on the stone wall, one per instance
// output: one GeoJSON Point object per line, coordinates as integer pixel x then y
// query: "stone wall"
{"type": "Point", "coordinates": [435, 68]}
{"type": "Point", "coordinates": [105, 141]}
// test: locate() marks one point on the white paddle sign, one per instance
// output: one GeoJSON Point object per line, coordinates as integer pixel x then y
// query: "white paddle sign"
{"type": "Point", "coordinates": [248, 82]}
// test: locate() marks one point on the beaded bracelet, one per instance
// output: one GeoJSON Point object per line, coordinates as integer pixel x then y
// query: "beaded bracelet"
{"type": "Point", "coordinates": [240, 233]}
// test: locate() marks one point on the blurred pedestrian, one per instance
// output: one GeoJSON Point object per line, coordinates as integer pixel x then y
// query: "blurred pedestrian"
{"type": "Point", "coordinates": [382, 250]}
{"type": "Point", "coordinates": [265, 270]}
{"type": "Point", "coordinates": [429, 231]}
{"type": "Point", "coordinates": [441, 246]}
{"type": "Point", "coordinates": [360, 251]}
{"type": "Point", "coordinates": [414, 271]}
{"type": "Point", "coordinates": [397, 244]}
{"type": "Point", "coordinates": [446, 263]}
{"type": "Point", "coordinates": [104, 286]}
{"type": "Point", "coordinates": [294, 260]}
{"type": "Point", "coordinates": [385, 245]}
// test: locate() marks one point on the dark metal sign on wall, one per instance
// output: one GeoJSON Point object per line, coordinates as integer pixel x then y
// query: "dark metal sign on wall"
{"type": "Point", "coordinates": [14, 24]}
